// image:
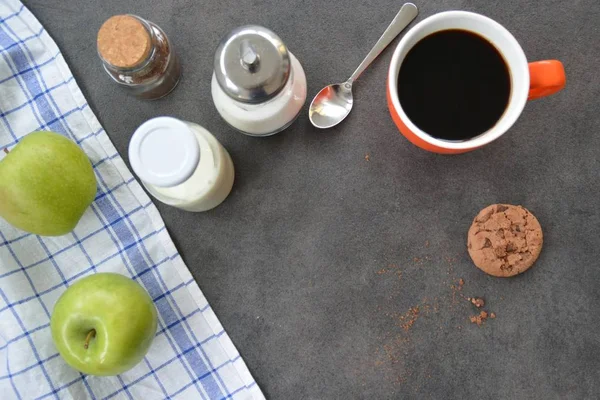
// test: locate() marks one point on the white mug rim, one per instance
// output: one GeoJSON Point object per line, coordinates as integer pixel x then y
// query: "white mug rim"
{"type": "Point", "coordinates": [518, 95]}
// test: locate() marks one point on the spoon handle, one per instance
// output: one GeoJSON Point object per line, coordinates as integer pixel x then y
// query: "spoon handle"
{"type": "Point", "coordinates": [407, 13]}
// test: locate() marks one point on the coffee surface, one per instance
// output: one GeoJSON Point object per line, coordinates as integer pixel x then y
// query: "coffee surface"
{"type": "Point", "coordinates": [454, 85]}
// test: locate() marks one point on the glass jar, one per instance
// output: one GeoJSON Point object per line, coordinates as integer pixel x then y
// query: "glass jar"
{"type": "Point", "coordinates": [181, 164]}
{"type": "Point", "coordinates": [138, 55]}
{"type": "Point", "coordinates": [258, 86]}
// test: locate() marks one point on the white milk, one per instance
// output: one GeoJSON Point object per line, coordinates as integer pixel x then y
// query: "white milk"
{"type": "Point", "coordinates": [181, 164]}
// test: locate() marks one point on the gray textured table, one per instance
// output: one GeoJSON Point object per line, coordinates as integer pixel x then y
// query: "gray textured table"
{"type": "Point", "coordinates": [333, 274]}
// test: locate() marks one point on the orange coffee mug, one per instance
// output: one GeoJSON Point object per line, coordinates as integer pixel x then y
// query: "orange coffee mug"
{"type": "Point", "coordinates": [528, 81]}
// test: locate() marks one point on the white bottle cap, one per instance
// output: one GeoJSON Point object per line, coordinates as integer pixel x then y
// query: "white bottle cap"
{"type": "Point", "coordinates": [164, 152]}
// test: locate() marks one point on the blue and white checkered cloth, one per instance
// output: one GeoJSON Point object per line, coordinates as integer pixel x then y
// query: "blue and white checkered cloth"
{"type": "Point", "coordinates": [192, 356]}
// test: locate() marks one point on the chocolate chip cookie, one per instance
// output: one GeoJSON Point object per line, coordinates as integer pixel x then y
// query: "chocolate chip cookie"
{"type": "Point", "coordinates": [505, 240]}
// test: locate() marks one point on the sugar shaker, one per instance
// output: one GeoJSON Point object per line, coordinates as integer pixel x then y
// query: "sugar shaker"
{"type": "Point", "coordinates": [258, 85]}
{"type": "Point", "coordinates": [138, 55]}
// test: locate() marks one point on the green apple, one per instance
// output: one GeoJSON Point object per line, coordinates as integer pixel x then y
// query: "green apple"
{"type": "Point", "coordinates": [103, 324]}
{"type": "Point", "coordinates": [46, 184]}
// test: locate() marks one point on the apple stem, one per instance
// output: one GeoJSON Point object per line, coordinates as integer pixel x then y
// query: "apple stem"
{"type": "Point", "coordinates": [91, 334]}
{"type": "Point", "coordinates": [6, 150]}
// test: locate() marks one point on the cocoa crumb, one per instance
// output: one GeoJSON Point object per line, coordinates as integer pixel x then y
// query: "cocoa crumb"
{"type": "Point", "coordinates": [492, 315]}
{"type": "Point", "coordinates": [479, 319]}
{"type": "Point", "coordinates": [477, 302]}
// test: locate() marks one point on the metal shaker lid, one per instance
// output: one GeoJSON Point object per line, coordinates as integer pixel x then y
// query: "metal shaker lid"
{"type": "Point", "coordinates": [252, 64]}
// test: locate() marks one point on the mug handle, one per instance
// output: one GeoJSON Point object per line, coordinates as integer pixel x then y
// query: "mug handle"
{"type": "Point", "coordinates": [545, 78]}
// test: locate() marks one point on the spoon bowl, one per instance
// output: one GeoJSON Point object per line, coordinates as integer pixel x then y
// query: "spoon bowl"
{"type": "Point", "coordinates": [331, 105]}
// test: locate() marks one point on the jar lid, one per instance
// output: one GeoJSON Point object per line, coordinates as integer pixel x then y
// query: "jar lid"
{"type": "Point", "coordinates": [164, 152]}
{"type": "Point", "coordinates": [123, 41]}
{"type": "Point", "coordinates": [252, 64]}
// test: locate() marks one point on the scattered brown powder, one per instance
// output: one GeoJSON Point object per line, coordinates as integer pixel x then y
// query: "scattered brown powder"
{"type": "Point", "coordinates": [394, 348]}
{"type": "Point", "coordinates": [402, 379]}
{"type": "Point", "coordinates": [391, 268]}
{"type": "Point", "coordinates": [456, 289]}
{"type": "Point", "coordinates": [409, 318]}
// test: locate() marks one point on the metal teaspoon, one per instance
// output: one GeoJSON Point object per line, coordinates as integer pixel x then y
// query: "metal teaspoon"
{"type": "Point", "coordinates": [334, 102]}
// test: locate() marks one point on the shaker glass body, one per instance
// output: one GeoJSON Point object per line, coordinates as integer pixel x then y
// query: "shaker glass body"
{"type": "Point", "coordinates": [269, 117]}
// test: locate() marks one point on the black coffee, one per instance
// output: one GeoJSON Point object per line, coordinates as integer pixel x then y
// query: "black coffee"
{"type": "Point", "coordinates": [454, 85]}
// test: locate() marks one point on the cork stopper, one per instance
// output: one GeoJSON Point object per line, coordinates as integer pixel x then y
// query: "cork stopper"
{"type": "Point", "coordinates": [123, 41]}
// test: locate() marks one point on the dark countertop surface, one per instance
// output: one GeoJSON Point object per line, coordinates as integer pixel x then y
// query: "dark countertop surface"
{"type": "Point", "coordinates": [336, 276]}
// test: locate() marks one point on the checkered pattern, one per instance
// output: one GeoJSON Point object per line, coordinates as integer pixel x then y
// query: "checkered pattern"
{"type": "Point", "coordinates": [191, 357]}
